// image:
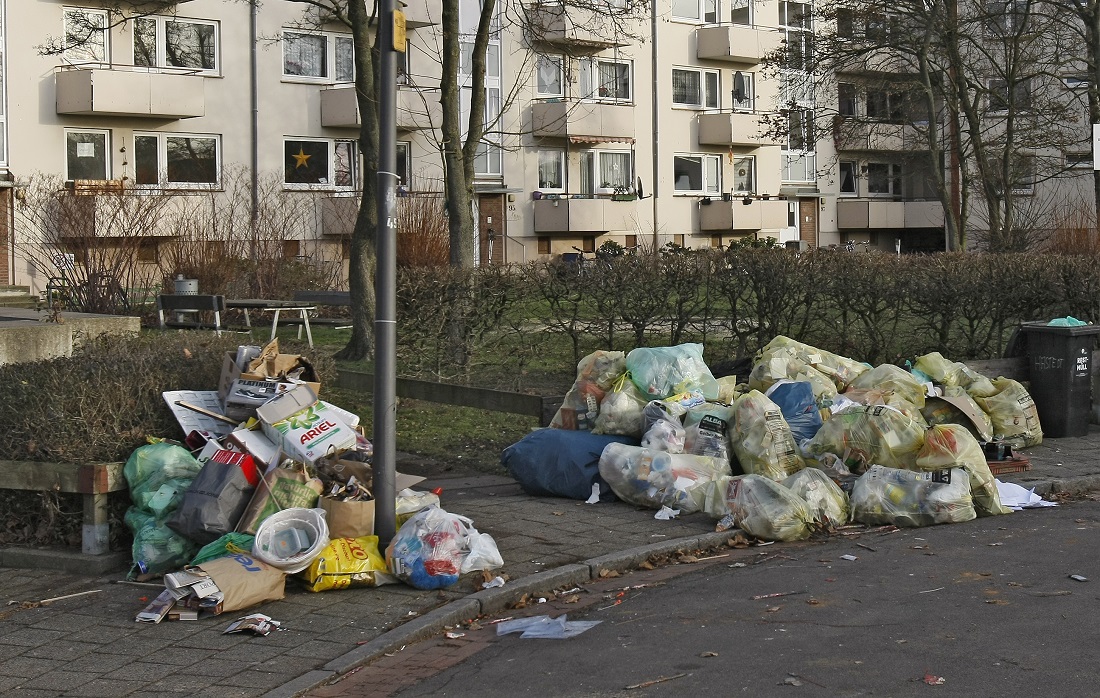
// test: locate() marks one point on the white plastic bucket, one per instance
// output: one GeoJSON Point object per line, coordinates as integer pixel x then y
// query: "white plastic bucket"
{"type": "Point", "coordinates": [311, 522]}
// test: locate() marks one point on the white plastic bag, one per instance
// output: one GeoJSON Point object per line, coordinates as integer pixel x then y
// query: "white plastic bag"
{"type": "Point", "coordinates": [908, 498]}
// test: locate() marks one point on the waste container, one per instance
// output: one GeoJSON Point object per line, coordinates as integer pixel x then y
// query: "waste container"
{"type": "Point", "coordinates": [1060, 363]}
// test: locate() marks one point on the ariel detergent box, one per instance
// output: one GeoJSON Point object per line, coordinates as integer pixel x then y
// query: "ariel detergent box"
{"type": "Point", "coordinates": [318, 431]}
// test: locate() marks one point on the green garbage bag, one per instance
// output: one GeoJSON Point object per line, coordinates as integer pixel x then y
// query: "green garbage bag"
{"type": "Point", "coordinates": [157, 549]}
{"type": "Point", "coordinates": [158, 475]}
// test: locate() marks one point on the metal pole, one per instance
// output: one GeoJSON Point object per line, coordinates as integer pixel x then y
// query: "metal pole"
{"type": "Point", "coordinates": [385, 285]}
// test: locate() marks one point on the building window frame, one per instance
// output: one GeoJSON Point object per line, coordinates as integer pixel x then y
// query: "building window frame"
{"type": "Point", "coordinates": [551, 167]}
{"type": "Point", "coordinates": [337, 65]}
{"type": "Point", "coordinates": [161, 34]}
{"type": "Point", "coordinates": [998, 100]}
{"type": "Point", "coordinates": [549, 77]}
{"type": "Point", "coordinates": [848, 179]}
{"type": "Point", "coordinates": [707, 88]}
{"type": "Point", "coordinates": [337, 151]}
{"type": "Point", "coordinates": [695, 11]}
{"type": "Point", "coordinates": [73, 149]}
{"type": "Point", "coordinates": [883, 179]}
{"type": "Point", "coordinates": [607, 80]}
{"type": "Point", "coordinates": [747, 93]}
{"type": "Point", "coordinates": [697, 174]}
{"type": "Point", "coordinates": [163, 166]}
{"type": "Point", "coordinates": [404, 163]}
{"type": "Point", "coordinates": [605, 171]}
{"type": "Point", "coordinates": [81, 46]}
{"type": "Point", "coordinates": [1078, 160]}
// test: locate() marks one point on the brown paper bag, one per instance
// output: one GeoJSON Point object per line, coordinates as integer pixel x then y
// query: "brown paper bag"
{"type": "Point", "coordinates": [348, 519]}
{"type": "Point", "coordinates": [245, 581]}
{"type": "Point", "coordinates": [281, 488]}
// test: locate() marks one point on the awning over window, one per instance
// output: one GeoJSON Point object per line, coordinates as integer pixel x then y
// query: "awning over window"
{"type": "Point", "coordinates": [600, 139]}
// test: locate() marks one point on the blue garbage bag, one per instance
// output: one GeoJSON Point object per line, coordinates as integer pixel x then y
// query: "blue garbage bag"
{"type": "Point", "coordinates": [560, 462]}
{"type": "Point", "coordinates": [796, 401]}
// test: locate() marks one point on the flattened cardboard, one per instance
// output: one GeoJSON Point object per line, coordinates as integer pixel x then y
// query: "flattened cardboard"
{"type": "Point", "coordinates": [256, 443]}
{"type": "Point", "coordinates": [967, 408]}
{"type": "Point", "coordinates": [190, 420]}
{"type": "Point", "coordinates": [287, 404]}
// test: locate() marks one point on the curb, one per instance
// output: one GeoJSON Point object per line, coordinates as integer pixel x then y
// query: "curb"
{"type": "Point", "coordinates": [488, 601]}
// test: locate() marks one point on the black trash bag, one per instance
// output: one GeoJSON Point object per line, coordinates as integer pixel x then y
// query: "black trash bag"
{"type": "Point", "coordinates": [560, 462]}
{"type": "Point", "coordinates": [213, 504]}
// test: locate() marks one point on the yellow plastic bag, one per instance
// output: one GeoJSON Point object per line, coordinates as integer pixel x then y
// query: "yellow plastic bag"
{"type": "Point", "coordinates": [1015, 418]}
{"type": "Point", "coordinates": [828, 503]}
{"type": "Point", "coordinates": [839, 369]}
{"type": "Point", "coordinates": [347, 562]}
{"type": "Point", "coordinates": [761, 439]}
{"type": "Point", "coordinates": [784, 363]}
{"type": "Point", "coordinates": [595, 375]}
{"type": "Point", "coordinates": [953, 446]}
{"type": "Point", "coordinates": [889, 377]}
{"type": "Point", "coordinates": [864, 436]}
{"type": "Point", "coordinates": [954, 373]}
{"type": "Point", "coordinates": [767, 510]}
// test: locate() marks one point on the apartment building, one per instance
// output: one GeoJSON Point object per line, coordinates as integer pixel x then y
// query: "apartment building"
{"type": "Point", "coordinates": [652, 131]}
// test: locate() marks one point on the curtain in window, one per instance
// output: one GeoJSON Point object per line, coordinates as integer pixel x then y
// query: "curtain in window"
{"type": "Point", "coordinates": [615, 170]}
{"type": "Point", "coordinates": [742, 174]}
{"type": "Point", "coordinates": [614, 80]}
{"type": "Point", "coordinates": [550, 174]}
{"type": "Point", "coordinates": [344, 164]}
{"type": "Point", "coordinates": [304, 54]}
{"type": "Point", "coordinates": [588, 186]}
{"type": "Point", "coordinates": [549, 76]}
{"type": "Point", "coordinates": [685, 87]}
{"type": "Point", "coordinates": [345, 59]}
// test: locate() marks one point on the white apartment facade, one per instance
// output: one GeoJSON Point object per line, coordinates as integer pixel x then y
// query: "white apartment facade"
{"type": "Point", "coordinates": [646, 140]}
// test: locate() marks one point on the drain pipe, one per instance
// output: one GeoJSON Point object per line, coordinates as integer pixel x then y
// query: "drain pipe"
{"type": "Point", "coordinates": [255, 155]}
{"type": "Point", "coordinates": [656, 114]}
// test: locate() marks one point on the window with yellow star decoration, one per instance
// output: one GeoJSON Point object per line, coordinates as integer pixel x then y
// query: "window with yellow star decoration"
{"type": "Point", "coordinates": [306, 162]}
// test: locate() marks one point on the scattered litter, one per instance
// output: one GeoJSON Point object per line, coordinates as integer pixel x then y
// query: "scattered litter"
{"type": "Point", "coordinates": [255, 623]}
{"type": "Point", "coordinates": [865, 547]}
{"type": "Point", "coordinates": [713, 557]}
{"type": "Point", "coordinates": [738, 564]}
{"type": "Point", "coordinates": [545, 627]}
{"type": "Point", "coordinates": [1074, 577]}
{"type": "Point", "coordinates": [453, 635]}
{"type": "Point", "coordinates": [776, 595]}
{"type": "Point", "coordinates": [709, 654]}
{"type": "Point", "coordinates": [791, 680]}
{"type": "Point", "coordinates": [1016, 497]}
{"type": "Point", "coordinates": [934, 680]}
{"type": "Point", "coordinates": [849, 558]}
{"type": "Point", "coordinates": [594, 498]}
{"type": "Point", "coordinates": [929, 591]}
{"type": "Point", "coordinates": [493, 583]}
{"type": "Point", "coordinates": [47, 602]}
{"type": "Point", "coordinates": [666, 513]}
{"type": "Point", "coordinates": [660, 679]}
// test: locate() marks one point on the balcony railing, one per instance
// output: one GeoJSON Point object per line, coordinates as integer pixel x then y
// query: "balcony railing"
{"type": "Point", "coordinates": [733, 128]}
{"type": "Point", "coordinates": [735, 43]}
{"type": "Point", "coordinates": [129, 91]}
{"type": "Point", "coordinates": [416, 110]}
{"type": "Point", "coordinates": [580, 30]}
{"type": "Point", "coordinates": [862, 214]}
{"type": "Point", "coordinates": [879, 136]}
{"type": "Point", "coordinates": [574, 214]}
{"type": "Point", "coordinates": [757, 214]}
{"type": "Point", "coordinates": [598, 121]}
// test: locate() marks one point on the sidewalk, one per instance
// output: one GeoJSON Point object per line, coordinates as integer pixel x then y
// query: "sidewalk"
{"type": "Point", "coordinates": [89, 645]}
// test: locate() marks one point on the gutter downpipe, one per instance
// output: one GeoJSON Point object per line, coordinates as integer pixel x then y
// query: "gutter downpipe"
{"type": "Point", "coordinates": [255, 126]}
{"type": "Point", "coordinates": [656, 113]}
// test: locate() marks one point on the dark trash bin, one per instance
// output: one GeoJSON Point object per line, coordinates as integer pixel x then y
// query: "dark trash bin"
{"type": "Point", "coordinates": [1060, 376]}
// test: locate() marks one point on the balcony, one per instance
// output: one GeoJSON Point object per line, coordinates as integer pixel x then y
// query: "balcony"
{"type": "Point", "coordinates": [735, 43]}
{"type": "Point", "coordinates": [129, 92]}
{"type": "Point", "coordinates": [736, 215]}
{"type": "Point", "coordinates": [416, 110]}
{"type": "Point", "coordinates": [862, 214]}
{"type": "Point", "coordinates": [338, 214]}
{"type": "Point", "coordinates": [592, 121]}
{"type": "Point", "coordinates": [576, 30]}
{"type": "Point", "coordinates": [583, 215]}
{"type": "Point", "coordinates": [879, 136]}
{"type": "Point", "coordinates": [733, 128]}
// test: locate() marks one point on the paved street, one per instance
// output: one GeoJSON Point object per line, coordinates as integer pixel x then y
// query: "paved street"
{"type": "Point", "coordinates": [90, 645]}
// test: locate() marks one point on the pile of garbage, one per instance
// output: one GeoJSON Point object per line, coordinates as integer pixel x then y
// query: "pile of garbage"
{"type": "Point", "coordinates": [810, 442]}
{"type": "Point", "coordinates": [271, 481]}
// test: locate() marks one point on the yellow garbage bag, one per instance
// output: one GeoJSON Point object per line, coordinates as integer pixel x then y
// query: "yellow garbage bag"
{"type": "Point", "coordinates": [1012, 409]}
{"type": "Point", "coordinates": [953, 446]}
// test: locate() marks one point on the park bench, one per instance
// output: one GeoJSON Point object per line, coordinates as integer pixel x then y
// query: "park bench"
{"type": "Point", "coordinates": [93, 481]}
{"type": "Point", "coordinates": [197, 304]}
{"type": "Point", "coordinates": [337, 299]}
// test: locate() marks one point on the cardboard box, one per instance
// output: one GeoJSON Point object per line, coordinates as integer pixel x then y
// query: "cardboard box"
{"type": "Point", "coordinates": [287, 404]}
{"type": "Point", "coordinates": [257, 444]}
{"type": "Point", "coordinates": [241, 392]}
{"type": "Point", "coordinates": [310, 434]}
{"type": "Point", "coordinates": [354, 519]}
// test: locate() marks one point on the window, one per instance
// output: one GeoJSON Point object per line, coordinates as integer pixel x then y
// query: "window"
{"type": "Point", "coordinates": [606, 171]}
{"type": "Point", "coordinates": [324, 57]}
{"type": "Point", "coordinates": [1021, 172]}
{"type": "Point", "coordinates": [85, 36]}
{"type": "Point", "coordinates": [695, 88]}
{"type": "Point", "coordinates": [697, 174]}
{"type": "Point", "coordinates": [292, 249]}
{"type": "Point", "coordinates": [1002, 99]}
{"type": "Point", "coordinates": [605, 80]}
{"type": "Point", "coordinates": [487, 160]}
{"type": "Point", "coordinates": [744, 91]}
{"type": "Point", "coordinates": [849, 173]}
{"type": "Point", "coordinates": [845, 23]}
{"type": "Point", "coordinates": [543, 244]}
{"type": "Point", "coordinates": [87, 154]}
{"type": "Point", "coordinates": [175, 43]}
{"type": "Point", "coordinates": [886, 106]}
{"type": "Point", "coordinates": [588, 243]}
{"type": "Point", "coordinates": [847, 99]}
{"type": "Point", "coordinates": [741, 12]}
{"type": "Point", "coordinates": [1005, 17]}
{"type": "Point", "coordinates": [403, 163]}
{"type": "Point", "coordinates": [1075, 161]}
{"type": "Point", "coordinates": [548, 80]}
{"type": "Point", "coordinates": [696, 10]}
{"type": "Point", "coordinates": [797, 20]}
{"type": "Point", "coordinates": [744, 174]}
{"type": "Point", "coordinates": [883, 179]}
{"type": "Point", "coordinates": [148, 251]}
{"type": "Point", "coordinates": [164, 159]}
{"type": "Point", "coordinates": [552, 170]}
{"type": "Point", "coordinates": [800, 130]}
{"type": "Point", "coordinates": [320, 162]}
{"type": "Point", "coordinates": [402, 65]}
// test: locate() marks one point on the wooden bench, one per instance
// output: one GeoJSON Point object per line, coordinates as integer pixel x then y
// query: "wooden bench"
{"type": "Point", "coordinates": [340, 299]}
{"type": "Point", "coordinates": [193, 304]}
{"type": "Point", "coordinates": [94, 482]}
